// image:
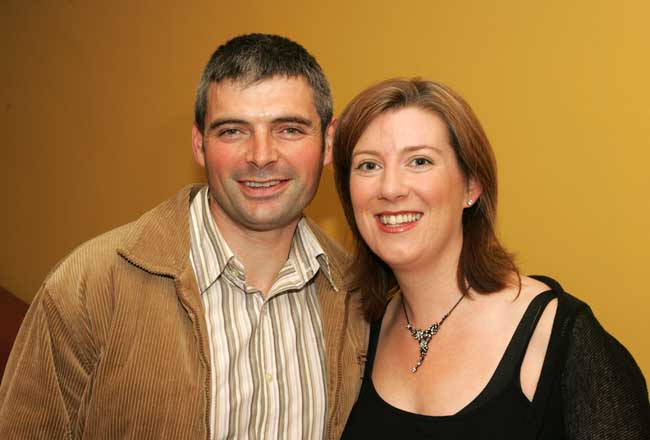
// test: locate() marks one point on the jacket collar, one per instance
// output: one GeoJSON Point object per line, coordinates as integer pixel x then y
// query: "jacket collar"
{"type": "Point", "coordinates": [159, 241]}
{"type": "Point", "coordinates": [337, 257]}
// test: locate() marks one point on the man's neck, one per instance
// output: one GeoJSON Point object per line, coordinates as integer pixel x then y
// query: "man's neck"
{"type": "Point", "coordinates": [262, 253]}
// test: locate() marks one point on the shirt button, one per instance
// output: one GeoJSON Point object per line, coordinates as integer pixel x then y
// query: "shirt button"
{"type": "Point", "coordinates": [269, 377]}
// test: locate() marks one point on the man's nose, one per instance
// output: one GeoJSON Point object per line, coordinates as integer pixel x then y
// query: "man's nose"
{"type": "Point", "coordinates": [262, 150]}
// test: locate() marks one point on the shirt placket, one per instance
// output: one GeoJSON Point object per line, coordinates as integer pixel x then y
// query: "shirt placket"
{"type": "Point", "coordinates": [268, 379]}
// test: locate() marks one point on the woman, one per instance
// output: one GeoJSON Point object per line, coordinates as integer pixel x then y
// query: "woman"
{"type": "Point", "coordinates": [462, 345]}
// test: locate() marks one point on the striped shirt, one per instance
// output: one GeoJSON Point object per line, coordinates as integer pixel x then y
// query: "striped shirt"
{"type": "Point", "coordinates": [267, 353]}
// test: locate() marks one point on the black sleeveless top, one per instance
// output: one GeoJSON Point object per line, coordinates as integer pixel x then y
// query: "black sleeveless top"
{"type": "Point", "coordinates": [500, 411]}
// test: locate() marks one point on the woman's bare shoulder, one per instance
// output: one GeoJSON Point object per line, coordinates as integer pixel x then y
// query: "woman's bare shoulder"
{"type": "Point", "coordinates": [530, 288]}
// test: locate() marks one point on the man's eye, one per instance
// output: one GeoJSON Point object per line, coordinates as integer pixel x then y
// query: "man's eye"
{"type": "Point", "coordinates": [292, 130]}
{"type": "Point", "coordinates": [229, 132]}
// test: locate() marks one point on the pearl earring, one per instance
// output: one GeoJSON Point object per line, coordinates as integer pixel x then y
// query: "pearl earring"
{"type": "Point", "coordinates": [469, 202]}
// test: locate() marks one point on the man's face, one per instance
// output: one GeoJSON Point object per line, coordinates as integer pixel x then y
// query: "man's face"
{"type": "Point", "coordinates": [263, 152]}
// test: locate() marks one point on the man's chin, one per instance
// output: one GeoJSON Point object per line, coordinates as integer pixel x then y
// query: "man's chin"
{"type": "Point", "coordinates": [261, 223]}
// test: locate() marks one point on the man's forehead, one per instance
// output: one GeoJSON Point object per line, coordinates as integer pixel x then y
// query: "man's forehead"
{"type": "Point", "coordinates": [248, 82]}
{"type": "Point", "coordinates": [254, 77]}
{"type": "Point", "coordinates": [273, 94]}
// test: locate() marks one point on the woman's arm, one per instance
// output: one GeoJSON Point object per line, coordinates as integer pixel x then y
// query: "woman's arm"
{"type": "Point", "coordinates": [604, 392]}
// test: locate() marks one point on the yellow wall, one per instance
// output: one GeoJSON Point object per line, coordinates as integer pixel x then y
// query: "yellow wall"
{"type": "Point", "coordinates": [96, 105]}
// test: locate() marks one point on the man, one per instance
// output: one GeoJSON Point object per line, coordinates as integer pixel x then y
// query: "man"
{"type": "Point", "coordinates": [221, 313]}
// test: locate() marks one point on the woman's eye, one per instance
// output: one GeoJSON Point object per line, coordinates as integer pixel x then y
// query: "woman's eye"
{"type": "Point", "coordinates": [367, 166]}
{"type": "Point", "coordinates": [420, 162]}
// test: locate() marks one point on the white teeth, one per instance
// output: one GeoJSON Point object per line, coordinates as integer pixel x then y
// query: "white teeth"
{"type": "Point", "coordinates": [399, 218]}
{"type": "Point", "coordinates": [261, 184]}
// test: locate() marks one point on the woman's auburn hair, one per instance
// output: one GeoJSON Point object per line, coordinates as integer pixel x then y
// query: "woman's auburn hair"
{"type": "Point", "coordinates": [484, 265]}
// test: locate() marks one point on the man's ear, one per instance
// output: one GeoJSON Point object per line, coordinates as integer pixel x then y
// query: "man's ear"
{"type": "Point", "coordinates": [329, 141]}
{"type": "Point", "coordinates": [197, 146]}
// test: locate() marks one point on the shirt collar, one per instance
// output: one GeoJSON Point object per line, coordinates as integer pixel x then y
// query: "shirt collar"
{"type": "Point", "coordinates": [308, 255]}
{"type": "Point", "coordinates": [211, 256]}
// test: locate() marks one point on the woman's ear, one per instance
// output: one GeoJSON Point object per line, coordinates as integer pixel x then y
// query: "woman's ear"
{"type": "Point", "coordinates": [474, 191]}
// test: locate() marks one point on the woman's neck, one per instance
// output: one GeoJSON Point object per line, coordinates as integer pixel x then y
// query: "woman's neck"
{"type": "Point", "coordinates": [428, 294]}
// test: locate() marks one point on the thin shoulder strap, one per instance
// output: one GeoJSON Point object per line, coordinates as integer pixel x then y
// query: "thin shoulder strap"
{"type": "Point", "coordinates": [527, 326]}
{"type": "Point", "coordinates": [375, 328]}
{"type": "Point", "coordinates": [555, 355]}
{"type": "Point", "coordinates": [509, 366]}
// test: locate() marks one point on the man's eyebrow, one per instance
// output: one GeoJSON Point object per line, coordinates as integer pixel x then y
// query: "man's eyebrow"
{"type": "Point", "coordinates": [279, 120]}
{"type": "Point", "coordinates": [294, 119]}
{"type": "Point", "coordinates": [219, 122]}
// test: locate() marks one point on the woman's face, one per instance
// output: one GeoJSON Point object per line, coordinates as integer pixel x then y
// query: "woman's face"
{"type": "Point", "coordinates": [408, 192]}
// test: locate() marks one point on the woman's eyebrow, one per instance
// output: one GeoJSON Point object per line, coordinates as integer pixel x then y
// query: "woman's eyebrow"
{"type": "Point", "coordinates": [409, 149]}
{"type": "Point", "coordinates": [413, 148]}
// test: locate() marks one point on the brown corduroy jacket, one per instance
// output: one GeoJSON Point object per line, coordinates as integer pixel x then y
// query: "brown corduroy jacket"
{"type": "Point", "coordinates": [115, 343]}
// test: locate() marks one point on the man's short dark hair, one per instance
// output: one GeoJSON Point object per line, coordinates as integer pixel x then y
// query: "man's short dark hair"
{"type": "Point", "coordinates": [255, 57]}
